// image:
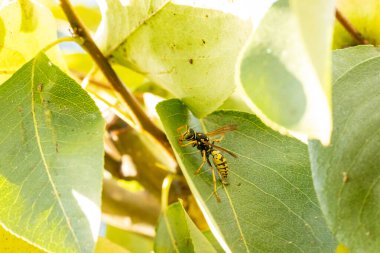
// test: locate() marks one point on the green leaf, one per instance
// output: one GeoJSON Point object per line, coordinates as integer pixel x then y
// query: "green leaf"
{"type": "Point", "coordinates": [89, 14]}
{"type": "Point", "coordinates": [120, 19]}
{"type": "Point", "coordinates": [236, 103]}
{"type": "Point", "coordinates": [189, 50]}
{"type": "Point", "coordinates": [83, 63]}
{"type": "Point", "coordinates": [106, 246]}
{"type": "Point", "coordinates": [51, 159]}
{"type": "Point", "coordinates": [26, 27]}
{"type": "Point", "coordinates": [346, 174]}
{"type": "Point", "coordinates": [270, 204]}
{"type": "Point", "coordinates": [9, 243]}
{"type": "Point", "coordinates": [134, 242]}
{"type": "Point", "coordinates": [285, 69]}
{"type": "Point", "coordinates": [176, 232]}
{"type": "Point", "coordinates": [211, 238]}
{"type": "Point", "coordinates": [345, 59]}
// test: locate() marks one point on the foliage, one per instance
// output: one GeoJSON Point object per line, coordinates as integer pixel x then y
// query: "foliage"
{"type": "Point", "coordinates": [89, 163]}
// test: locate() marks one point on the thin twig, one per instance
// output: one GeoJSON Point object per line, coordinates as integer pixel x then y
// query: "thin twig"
{"type": "Point", "coordinates": [58, 41]}
{"type": "Point", "coordinates": [350, 28]}
{"type": "Point", "coordinates": [89, 45]}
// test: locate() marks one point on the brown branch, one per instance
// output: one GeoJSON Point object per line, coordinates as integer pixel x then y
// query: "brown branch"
{"type": "Point", "coordinates": [140, 206]}
{"type": "Point", "coordinates": [350, 28]}
{"type": "Point", "coordinates": [89, 45]}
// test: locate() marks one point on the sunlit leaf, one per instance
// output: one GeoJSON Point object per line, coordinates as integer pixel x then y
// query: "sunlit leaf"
{"type": "Point", "coordinates": [9, 243]}
{"type": "Point", "coordinates": [25, 29]}
{"type": "Point", "coordinates": [132, 241]}
{"type": "Point", "coordinates": [106, 246]}
{"type": "Point", "coordinates": [346, 174]}
{"type": "Point", "coordinates": [176, 232]}
{"type": "Point", "coordinates": [121, 18]}
{"type": "Point", "coordinates": [89, 15]}
{"type": "Point", "coordinates": [341, 249]}
{"type": "Point", "coordinates": [51, 159]}
{"type": "Point", "coordinates": [270, 204]}
{"type": "Point", "coordinates": [285, 69]}
{"type": "Point", "coordinates": [188, 48]}
{"type": "Point", "coordinates": [82, 63]}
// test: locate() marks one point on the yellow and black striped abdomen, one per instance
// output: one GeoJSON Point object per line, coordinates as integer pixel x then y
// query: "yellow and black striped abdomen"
{"type": "Point", "coordinates": [220, 164]}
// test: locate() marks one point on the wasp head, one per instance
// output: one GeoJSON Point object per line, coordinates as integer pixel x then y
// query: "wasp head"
{"type": "Point", "coordinates": [188, 135]}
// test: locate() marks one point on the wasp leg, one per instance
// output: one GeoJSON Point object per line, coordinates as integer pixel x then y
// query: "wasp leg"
{"type": "Point", "coordinates": [214, 181]}
{"type": "Point", "coordinates": [203, 163]}
{"type": "Point", "coordinates": [208, 161]}
{"type": "Point", "coordinates": [187, 144]}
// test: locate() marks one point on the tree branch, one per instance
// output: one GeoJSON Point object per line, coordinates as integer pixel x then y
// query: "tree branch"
{"type": "Point", "coordinates": [89, 45]}
{"type": "Point", "coordinates": [350, 28]}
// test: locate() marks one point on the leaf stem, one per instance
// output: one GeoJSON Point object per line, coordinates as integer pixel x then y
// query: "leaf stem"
{"type": "Point", "coordinates": [60, 40]}
{"type": "Point", "coordinates": [165, 191]}
{"type": "Point", "coordinates": [88, 44]}
{"type": "Point", "coordinates": [350, 28]}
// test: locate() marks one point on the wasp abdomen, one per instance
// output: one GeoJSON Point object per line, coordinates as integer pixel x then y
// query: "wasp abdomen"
{"type": "Point", "coordinates": [221, 165]}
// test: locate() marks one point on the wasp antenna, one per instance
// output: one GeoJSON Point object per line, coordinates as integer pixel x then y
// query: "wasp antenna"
{"type": "Point", "coordinates": [180, 128]}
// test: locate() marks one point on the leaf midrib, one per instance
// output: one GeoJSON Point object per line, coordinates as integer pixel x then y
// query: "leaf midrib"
{"type": "Point", "coordinates": [352, 67]}
{"type": "Point", "coordinates": [38, 139]}
{"type": "Point", "coordinates": [230, 200]}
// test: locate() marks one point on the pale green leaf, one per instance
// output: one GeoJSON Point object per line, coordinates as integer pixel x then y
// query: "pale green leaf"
{"type": "Point", "coordinates": [176, 232]}
{"type": "Point", "coordinates": [270, 204]}
{"type": "Point", "coordinates": [345, 59]}
{"type": "Point", "coordinates": [121, 18]}
{"type": "Point", "coordinates": [24, 30]}
{"type": "Point", "coordinates": [346, 174]}
{"type": "Point", "coordinates": [189, 50]}
{"type": "Point", "coordinates": [235, 102]}
{"type": "Point", "coordinates": [285, 69]}
{"type": "Point", "coordinates": [51, 159]}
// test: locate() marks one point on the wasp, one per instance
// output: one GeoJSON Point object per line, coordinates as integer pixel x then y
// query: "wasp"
{"type": "Point", "coordinates": [208, 148]}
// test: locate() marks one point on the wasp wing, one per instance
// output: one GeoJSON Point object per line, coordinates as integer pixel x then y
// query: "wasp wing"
{"type": "Point", "coordinates": [221, 149]}
{"type": "Point", "coordinates": [222, 130]}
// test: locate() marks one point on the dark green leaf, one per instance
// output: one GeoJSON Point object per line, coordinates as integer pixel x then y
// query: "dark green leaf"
{"type": "Point", "coordinates": [51, 159]}
{"type": "Point", "coordinates": [211, 238]}
{"type": "Point", "coordinates": [346, 174]}
{"type": "Point", "coordinates": [270, 204]}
